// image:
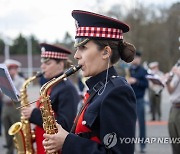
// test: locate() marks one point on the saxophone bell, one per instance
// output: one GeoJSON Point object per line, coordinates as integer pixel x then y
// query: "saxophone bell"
{"type": "Point", "coordinates": [15, 128]}
{"type": "Point", "coordinates": [16, 131]}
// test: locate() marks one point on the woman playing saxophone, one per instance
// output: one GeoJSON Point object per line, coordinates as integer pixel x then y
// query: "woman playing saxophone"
{"type": "Point", "coordinates": [63, 96]}
{"type": "Point", "coordinates": [109, 110]}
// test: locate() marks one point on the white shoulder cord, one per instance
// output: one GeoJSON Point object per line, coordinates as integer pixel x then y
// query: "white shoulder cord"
{"type": "Point", "coordinates": [107, 72]}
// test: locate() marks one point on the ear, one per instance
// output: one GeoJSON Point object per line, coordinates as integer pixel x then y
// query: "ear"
{"type": "Point", "coordinates": [106, 53]}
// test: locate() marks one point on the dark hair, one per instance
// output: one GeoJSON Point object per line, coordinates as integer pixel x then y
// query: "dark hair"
{"type": "Point", "coordinates": [120, 49]}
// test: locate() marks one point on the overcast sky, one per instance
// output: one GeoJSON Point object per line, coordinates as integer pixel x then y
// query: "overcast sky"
{"type": "Point", "coordinates": [48, 20]}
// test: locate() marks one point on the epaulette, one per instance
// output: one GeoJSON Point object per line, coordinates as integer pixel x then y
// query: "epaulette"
{"type": "Point", "coordinates": [117, 80]}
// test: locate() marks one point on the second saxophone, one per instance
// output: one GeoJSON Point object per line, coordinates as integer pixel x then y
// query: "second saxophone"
{"type": "Point", "coordinates": [23, 135]}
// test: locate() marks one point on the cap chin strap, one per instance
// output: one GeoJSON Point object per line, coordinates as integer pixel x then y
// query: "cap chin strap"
{"type": "Point", "coordinates": [78, 44]}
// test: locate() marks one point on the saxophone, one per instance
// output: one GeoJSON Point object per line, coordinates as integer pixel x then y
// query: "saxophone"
{"type": "Point", "coordinates": [49, 121]}
{"type": "Point", "coordinates": [23, 135]}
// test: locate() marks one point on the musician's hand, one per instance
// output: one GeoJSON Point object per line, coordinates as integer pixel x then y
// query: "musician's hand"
{"type": "Point", "coordinates": [176, 70]}
{"type": "Point", "coordinates": [26, 111]}
{"type": "Point", "coordinates": [54, 142]}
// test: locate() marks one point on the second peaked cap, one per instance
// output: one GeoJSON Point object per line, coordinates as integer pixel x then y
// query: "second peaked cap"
{"type": "Point", "coordinates": [54, 51]}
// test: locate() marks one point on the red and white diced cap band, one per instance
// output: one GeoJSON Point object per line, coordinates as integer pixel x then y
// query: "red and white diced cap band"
{"type": "Point", "coordinates": [53, 51]}
{"type": "Point", "coordinates": [52, 54]}
{"type": "Point", "coordinates": [99, 32]}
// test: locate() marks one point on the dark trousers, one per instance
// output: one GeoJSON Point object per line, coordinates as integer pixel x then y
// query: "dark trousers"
{"type": "Point", "coordinates": [174, 128]}
{"type": "Point", "coordinates": [141, 120]}
{"type": "Point", "coordinates": [10, 115]}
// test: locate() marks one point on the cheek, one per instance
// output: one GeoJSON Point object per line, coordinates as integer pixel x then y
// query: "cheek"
{"type": "Point", "coordinates": [49, 72]}
{"type": "Point", "coordinates": [91, 57]}
{"type": "Point", "coordinates": [88, 60]}
{"type": "Point", "coordinates": [91, 64]}
{"type": "Point", "coordinates": [52, 69]}
{"type": "Point", "coordinates": [49, 69]}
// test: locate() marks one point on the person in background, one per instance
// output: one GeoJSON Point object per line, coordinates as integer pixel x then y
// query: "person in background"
{"type": "Point", "coordinates": [10, 114]}
{"type": "Point", "coordinates": [173, 86]}
{"type": "Point", "coordinates": [109, 110]}
{"type": "Point", "coordinates": [155, 91]}
{"type": "Point", "coordinates": [64, 96]}
{"type": "Point", "coordinates": [139, 83]}
{"type": "Point", "coordinates": [1, 103]}
{"type": "Point", "coordinates": [81, 85]}
{"type": "Point", "coordinates": [82, 88]}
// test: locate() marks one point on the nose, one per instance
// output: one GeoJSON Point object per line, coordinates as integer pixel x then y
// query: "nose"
{"type": "Point", "coordinates": [77, 55]}
{"type": "Point", "coordinates": [42, 66]}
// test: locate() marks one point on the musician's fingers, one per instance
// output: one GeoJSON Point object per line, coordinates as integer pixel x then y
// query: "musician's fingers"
{"type": "Point", "coordinates": [59, 127]}
{"type": "Point", "coordinates": [47, 136]}
{"type": "Point", "coordinates": [44, 142]}
{"type": "Point", "coordinates": [49, 147]}
{"type": "Point", "coordinates": [51, 151]}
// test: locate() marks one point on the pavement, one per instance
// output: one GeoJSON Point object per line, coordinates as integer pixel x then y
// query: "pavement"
{"type": "Point", "coordinates": [157, 129]}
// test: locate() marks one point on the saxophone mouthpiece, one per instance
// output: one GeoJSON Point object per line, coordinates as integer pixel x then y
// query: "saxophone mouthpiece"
{"type": "Point", "coordinates": [78, 66]}
{"type": "Point", "coordinates": [72, 70]}
{"type": "Point", "coordinates": [39, 74]}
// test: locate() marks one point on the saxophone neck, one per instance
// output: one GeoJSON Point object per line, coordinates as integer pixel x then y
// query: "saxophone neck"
{"type": "Point", "coordinates": [23, 90]}
{"type": "Point", "coordinates": [44, 89]}
{"type": "Point", "coordinates": [27, 82]}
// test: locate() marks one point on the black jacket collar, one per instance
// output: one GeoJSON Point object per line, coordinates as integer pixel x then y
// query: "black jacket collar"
{"type": "Point", "coordinates": [100, 77]}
